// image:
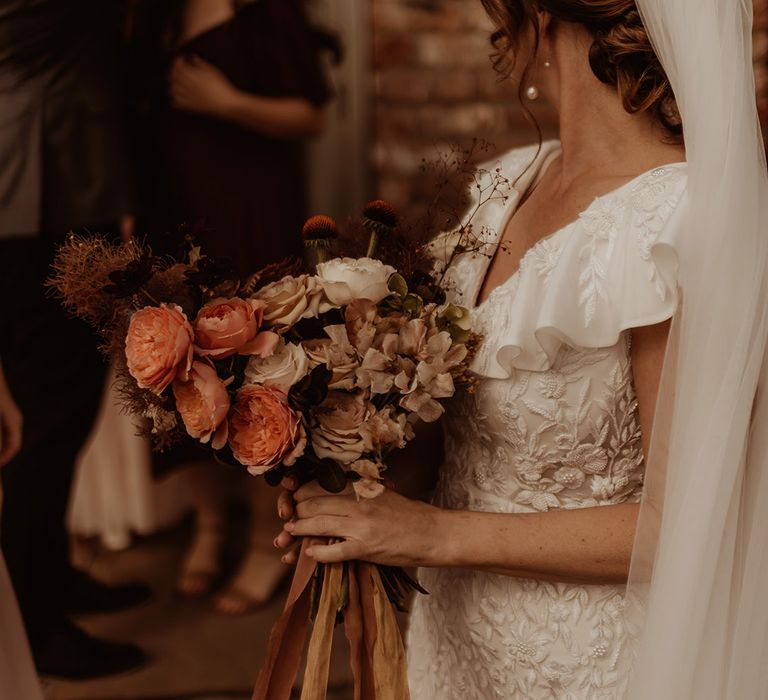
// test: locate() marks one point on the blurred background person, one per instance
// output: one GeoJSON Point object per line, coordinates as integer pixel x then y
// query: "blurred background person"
{"type": "Point", "coordinates": [231, 92]}
{"type": "Point", "coordinates": [64, 165]}
{"type": "Point", "coordinates": [17, 673]}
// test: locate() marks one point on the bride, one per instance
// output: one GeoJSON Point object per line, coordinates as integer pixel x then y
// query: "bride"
{"type": "Point", "coordinates": [620, 300]}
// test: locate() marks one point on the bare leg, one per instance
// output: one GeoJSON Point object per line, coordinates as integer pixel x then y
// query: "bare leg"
{"type": "Point", "coordinates": [202, 562]}
{"type": "Point", "coordinates": [261, 571]}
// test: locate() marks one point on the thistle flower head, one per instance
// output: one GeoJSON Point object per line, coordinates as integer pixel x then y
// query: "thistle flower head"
{"type": "Point", "coordinates": [320, 228]}
{"type": "Point", "coordinates": [381, 213]}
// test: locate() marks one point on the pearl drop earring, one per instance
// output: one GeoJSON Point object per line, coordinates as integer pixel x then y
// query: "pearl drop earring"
{"type": "Point", "coordinates": [532, 93]}
{"type": "Point", "coordinates": [547, 64]}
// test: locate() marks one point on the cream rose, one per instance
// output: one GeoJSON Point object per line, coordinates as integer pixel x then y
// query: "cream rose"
{"type": "Point", "coordinates": [336, 427]}
{"type": "Point", "coordinates": [282, 370]}
{"type": "Point", "coordinates": [346, 279]}
{"type": "Point", "coordinates": [290, 299]}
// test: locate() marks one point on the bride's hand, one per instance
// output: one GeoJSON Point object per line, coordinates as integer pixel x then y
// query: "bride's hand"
{"type": "Point", "coordinates": [388, 529]}
{"type": "Point", "coordinates": [286, 511]}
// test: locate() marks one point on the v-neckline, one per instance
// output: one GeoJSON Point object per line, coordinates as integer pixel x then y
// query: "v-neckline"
{"type": "Point", "coordinates": [538, 175]}
{"type": "Point", "coordinates": [545, 162]}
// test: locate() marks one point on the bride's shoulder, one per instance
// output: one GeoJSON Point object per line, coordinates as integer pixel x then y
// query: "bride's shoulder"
{"type": "Point", "coordinates": [663, 185]}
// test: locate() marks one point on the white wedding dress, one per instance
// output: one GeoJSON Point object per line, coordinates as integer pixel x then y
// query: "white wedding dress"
{"type": "Point", "coordinates": [553, 425]}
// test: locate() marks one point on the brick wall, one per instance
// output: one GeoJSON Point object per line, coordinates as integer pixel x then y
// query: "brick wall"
{"type": "Point", "coordinates": [434, 86]}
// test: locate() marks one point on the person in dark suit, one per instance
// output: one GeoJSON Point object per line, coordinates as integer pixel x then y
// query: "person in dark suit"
{"type": "Point", "coordinates": [64, 165]}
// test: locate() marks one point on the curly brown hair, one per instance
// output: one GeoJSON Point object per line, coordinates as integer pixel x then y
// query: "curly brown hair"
{"type": "Point", "coordinates": [621, 54]}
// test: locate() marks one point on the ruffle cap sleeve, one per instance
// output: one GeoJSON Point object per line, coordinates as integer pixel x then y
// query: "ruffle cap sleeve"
{"type": "Point", "coordinates": [612, 269]}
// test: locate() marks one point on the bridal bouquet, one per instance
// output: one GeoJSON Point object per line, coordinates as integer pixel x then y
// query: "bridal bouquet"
{"type": "Point", "coordinates": [313, 373]}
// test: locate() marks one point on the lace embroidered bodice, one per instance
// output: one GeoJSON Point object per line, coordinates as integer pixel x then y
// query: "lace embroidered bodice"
{"type": "Point", "coordinates": [552, 425]}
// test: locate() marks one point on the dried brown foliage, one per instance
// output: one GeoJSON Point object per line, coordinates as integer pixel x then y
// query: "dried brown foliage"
{"type": "Point", "coordinates": [81, 272]}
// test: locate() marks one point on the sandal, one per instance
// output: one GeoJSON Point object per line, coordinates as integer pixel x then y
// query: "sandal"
{"type": "Point", "coordinates": [258, 578]}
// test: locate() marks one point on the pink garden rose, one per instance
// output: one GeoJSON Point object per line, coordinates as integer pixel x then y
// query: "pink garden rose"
{"type": "Point", "coordinates": [226, 327]}
{"type": "Point", "coordinates": [158, 346]}
{"type": "Point", "coordinates": [264, 431]}
{"type": "Point", "coordinates": [203, 403]}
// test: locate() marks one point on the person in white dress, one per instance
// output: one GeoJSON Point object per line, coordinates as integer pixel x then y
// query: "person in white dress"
{"type": "Point", "coordinates": [533, 532]}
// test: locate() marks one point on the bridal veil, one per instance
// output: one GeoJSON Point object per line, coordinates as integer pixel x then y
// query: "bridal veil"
{"type": "Point", "coordinates": [700, 563]}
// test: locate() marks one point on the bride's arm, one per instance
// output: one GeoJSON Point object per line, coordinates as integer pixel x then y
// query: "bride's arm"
{"type": "Point", "coordinates": [587, 545]}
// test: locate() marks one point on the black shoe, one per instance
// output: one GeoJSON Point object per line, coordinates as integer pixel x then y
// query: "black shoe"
{"type": "Point", "coordinates": [68, 652]}
{"type": "Point", "coordinates": [83, 594]}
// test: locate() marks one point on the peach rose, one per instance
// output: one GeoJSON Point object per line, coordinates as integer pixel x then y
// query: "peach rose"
{"type": "Point", "coordinates": [158, 346]}
{"type": "Point", "coordinates": [225, 327]}
{"type": "Point", "coordinates": [264, 431]}
{"type": "Point", "coordinates": [203, 403]}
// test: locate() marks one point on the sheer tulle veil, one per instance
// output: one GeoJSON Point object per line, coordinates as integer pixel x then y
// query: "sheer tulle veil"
{"type": "Point", "coordinates": [698, 586]}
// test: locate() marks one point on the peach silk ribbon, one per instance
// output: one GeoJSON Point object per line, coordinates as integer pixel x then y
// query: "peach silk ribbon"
{"type": "Point", "coordinates": [377, 654]}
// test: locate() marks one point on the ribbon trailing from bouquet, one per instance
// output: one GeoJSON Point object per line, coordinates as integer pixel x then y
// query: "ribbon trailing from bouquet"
{"type": "Point", "coordinates": [377, 654]}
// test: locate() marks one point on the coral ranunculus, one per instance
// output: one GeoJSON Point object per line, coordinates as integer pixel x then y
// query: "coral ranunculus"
{"type": "Point", "coordinates": [158, 346]}
{"type": "Point", "coordinates": [264, 431]}
{"type": "Point", "coordinates": [226, 327]}
{"type": "Point", "coordinates": [203, 403]}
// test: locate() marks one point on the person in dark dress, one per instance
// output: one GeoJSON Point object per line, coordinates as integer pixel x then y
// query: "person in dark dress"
{"type": "Point", "coordinates": [245, 88]}
{"type": "Point", "coordinates": [235, 89]}
{"type": "Point", "coordinates": [64, 165]}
